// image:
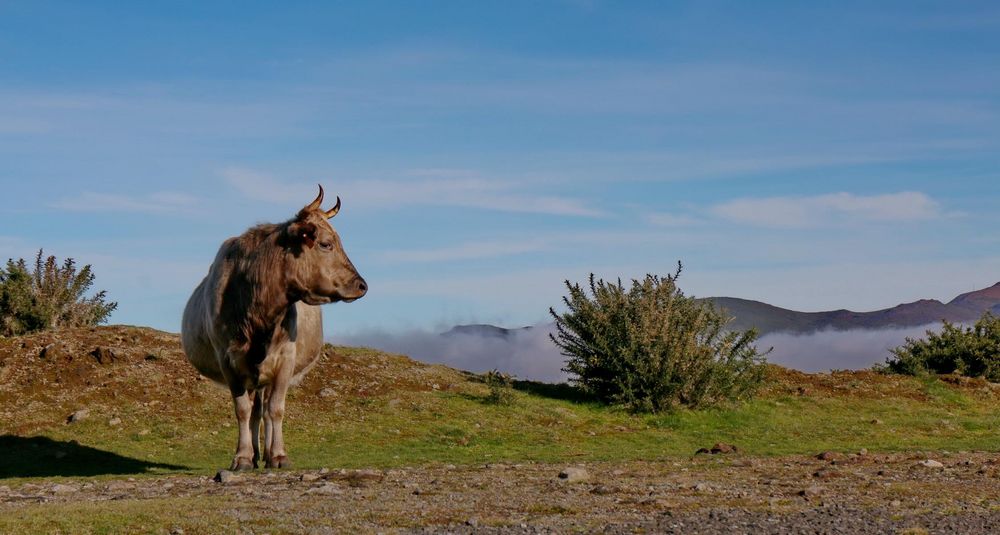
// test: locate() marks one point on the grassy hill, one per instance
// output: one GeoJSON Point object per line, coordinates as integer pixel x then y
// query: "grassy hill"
{"type": "Point", "coordinates": [147, 411]}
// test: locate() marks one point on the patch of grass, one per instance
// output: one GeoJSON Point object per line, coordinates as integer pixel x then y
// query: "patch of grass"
{"type": "Point", "coordinates": [452, 427]}
{"type": "Point", "coordinates": [193, 515]}
{"type": "Point", "coordinates": [389, 411]}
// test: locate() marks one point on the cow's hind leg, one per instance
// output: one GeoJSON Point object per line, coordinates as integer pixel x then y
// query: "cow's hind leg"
{"type": "Point", "coordinates": [255, 413]}
{"type": "Point", "coordinates": [275, 411]}
{"type": "Point", "coordinates": [265, 395]}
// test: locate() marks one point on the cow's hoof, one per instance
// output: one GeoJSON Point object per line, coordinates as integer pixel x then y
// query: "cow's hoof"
{"type": "Point", "coordinates": [280, 461]}
{"type": "Point", "coordinates": [240, 464]}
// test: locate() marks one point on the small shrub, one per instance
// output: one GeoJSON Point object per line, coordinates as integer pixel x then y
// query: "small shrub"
{"type": "Point", "coordinates": [501, 387]}
{"type": "Point", "coordinates": [49, 296]}
{"type": "Point", "coordinates": [650, 348]}
{"type": "Point", "coordinates": [971, 351]}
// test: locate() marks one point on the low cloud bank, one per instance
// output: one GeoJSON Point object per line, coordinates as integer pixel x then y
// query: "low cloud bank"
{"type": "Point", "coordinates": [824, 350]}
{"type": "Point", "coordinates": [529, 354]}
{"type": "Point", "coordinates": [525, 353]}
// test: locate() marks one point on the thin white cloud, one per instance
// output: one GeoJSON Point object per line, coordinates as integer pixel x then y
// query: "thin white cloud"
{"type": "Point", "coordinates": [466, 251]}
{"type": "Point", "coordinates": [663, 219]}
{"type": "Point", "coordinates": [159, 202]}
{"type": "Point", "coordinates": [834, 208]}
{"type": "Point", "coordinates": [454, 189]}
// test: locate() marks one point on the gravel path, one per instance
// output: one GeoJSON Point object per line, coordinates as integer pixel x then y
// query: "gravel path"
{"type": "Point", "coordinates": [958, 493]}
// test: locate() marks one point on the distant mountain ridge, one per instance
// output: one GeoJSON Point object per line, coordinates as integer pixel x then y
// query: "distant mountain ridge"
{"type": "Point", "coordinates": [967, 307]}
{"type": "Point", "coordinates": [747, 313]}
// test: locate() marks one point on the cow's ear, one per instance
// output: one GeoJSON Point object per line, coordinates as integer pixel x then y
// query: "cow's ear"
{"type": "Point", "coordinates": [303, 232]}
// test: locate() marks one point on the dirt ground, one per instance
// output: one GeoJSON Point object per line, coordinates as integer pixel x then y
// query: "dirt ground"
{"type": "Point", "coordinates": [858, 493]}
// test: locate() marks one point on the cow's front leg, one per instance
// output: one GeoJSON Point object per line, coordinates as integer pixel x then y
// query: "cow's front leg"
{"type": "Point", "coordinates": [275, 408]}
{"type": "Point", "coordinates": [243, 460]}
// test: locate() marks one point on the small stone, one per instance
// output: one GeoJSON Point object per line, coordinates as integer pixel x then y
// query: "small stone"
{"type": "Point", "coordinates": [863, 451]}
{"type": "Point", "coordinates": [829, 456]}
{"type": "Point", "coordinates": [327, 392]}
{"type": "Point", "coordinates": [176, 531]}
{"type": "Point", "coordinates": [811, 491]}
{"type": "Point", "coordinates": [309, 476]}
{"type": "Point", "coordinates": [115, 421]}
{"type": "Point", "coordinates": [103, 355]}
{"type": "Point", "coordinates": [51, 351]}
{"type": "Point", "coordinates": [59, 488]}
{"type": "Point", "coordinates": [143, 433]}
{"type": "Point", "coordinates": [179, 381]}
{"type": "Point", "coordinates": [825, 473]}
{"type": "Point", "coordinates": [701, 487]}
{"type": "Point", "coordinates": [225, 477]}
{"type": "Point", "coordinates": [472, 522]}
{"type": "Point", "coordinates": [77, 416]}
{"type": "Point", "coordinates": [930, 463]}
{"type": "Point", "coordinates": [895, 503]}
{"type": "Point", "coordinates": [574, 474]}
{"type": "Point", "coordinates": [722, 447]}
{"type": "Point", "coordinates": [876, 421]}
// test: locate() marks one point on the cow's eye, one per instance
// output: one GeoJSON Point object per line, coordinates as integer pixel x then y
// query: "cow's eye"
{"type": "Point", "coordinates": [325, 245]}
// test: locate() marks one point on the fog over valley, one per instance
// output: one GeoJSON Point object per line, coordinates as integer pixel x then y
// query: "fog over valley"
{"type": "Point", "coordinates": [528, 353]}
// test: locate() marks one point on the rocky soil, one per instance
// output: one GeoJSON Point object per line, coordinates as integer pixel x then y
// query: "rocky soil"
{"type": "Point", "coordinates": [723, 493]}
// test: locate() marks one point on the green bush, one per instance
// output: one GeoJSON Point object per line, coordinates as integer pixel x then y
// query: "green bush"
{"type": "Point", "coordinates": [971, 351]}
{"type": "Point", "coordinates": [650, 348]}
{"type": "Point", "coordinates": [49, 296]}
{"type": "Point", "coordinates": [501, 387]}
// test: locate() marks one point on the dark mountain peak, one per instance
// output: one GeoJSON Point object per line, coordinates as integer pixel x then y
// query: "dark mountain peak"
{"type": "Point", "coordinates": [482, 329]}
{"type": "Point", "coordinates": [979, 298]}
{"type": "Point", "coordinates": [767, 318]}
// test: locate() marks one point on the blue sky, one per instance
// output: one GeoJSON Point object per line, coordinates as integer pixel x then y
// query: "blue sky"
{"type": "Point", "coordinates": [812, 157]}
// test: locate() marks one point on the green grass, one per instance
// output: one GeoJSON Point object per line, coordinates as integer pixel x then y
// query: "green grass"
{"type": "Point", "coordinates": [204, 514]}
{"type": "Point", "coordinates": [460, 427]}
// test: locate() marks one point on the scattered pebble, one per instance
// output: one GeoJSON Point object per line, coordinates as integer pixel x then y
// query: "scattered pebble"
{"type": "Point", "coordinates": [813, 490]}
{"type": "Point", "coordinates": [60, 488]}
{"type": "Point", "coordinates": [574, 474]}
{"type": "Point", "coordinates": [225, 477]}
{"type": "Point", "coordinates": [77, 416]}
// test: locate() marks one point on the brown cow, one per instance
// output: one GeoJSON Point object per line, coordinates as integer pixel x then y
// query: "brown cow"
{"type": "Point", "coordinates": [254, 324]}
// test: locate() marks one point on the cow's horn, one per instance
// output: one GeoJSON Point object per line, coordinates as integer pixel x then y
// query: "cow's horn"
{"type": "Point", "coordinates": [333, 211]}
{"type": "Point", "coordinates": [319, 200]}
